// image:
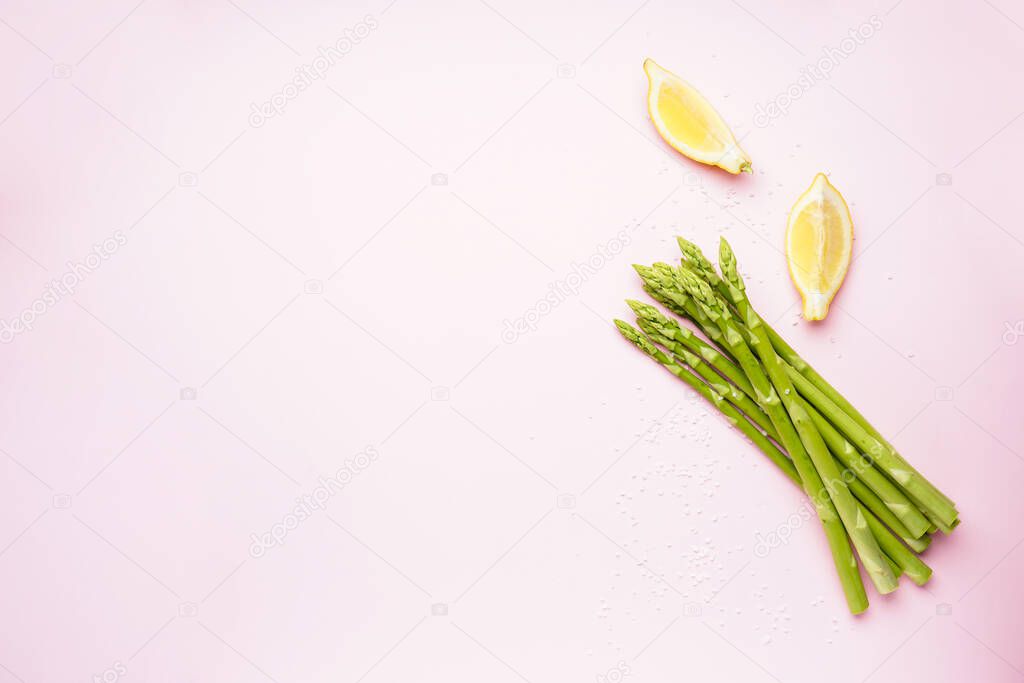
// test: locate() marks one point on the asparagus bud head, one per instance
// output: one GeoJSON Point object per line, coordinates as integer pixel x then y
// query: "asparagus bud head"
{"type": "Point", "coordinates": [727, 262]}
{"type": "Point", "coordinates": [637, 339]}
{"type": "Point", "coordinates": [696, 260]}
{"type": "Point", "coordinates": [647, 312]}
{"type": "Point", "coordinates": [701, 292]}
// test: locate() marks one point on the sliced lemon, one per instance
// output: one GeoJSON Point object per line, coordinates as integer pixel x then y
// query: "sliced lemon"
{"type": "Point", "coordinates": [688, 122]}
{"type": "Point", "coordinates": [819, 242]}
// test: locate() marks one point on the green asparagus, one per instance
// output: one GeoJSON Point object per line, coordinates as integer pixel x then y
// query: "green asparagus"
{"type": "Point", "coordinates": [901, 560]}
{"type": "Point", "coordinates": [846, 564]}
{"type": "Point", "coordinates": [800, 437]}
{"type": "Point", "coordinates": [862, 489]}
{"type": "Point", "coordinates": [914, 523]}
{"type": "Point", "coordinates": [853, 424]}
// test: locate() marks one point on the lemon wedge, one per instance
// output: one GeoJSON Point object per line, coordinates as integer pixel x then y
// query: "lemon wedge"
{"type": "Point", "coordinates": [819, 242]}
{"type": "Point", "coordinates": [688, 122]}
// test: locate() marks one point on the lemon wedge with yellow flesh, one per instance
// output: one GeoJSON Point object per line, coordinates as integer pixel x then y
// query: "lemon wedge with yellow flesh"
{"type": "Point", "coordinates": [819, 243]}
{"type": "Point", "coordinates": [688, 122]}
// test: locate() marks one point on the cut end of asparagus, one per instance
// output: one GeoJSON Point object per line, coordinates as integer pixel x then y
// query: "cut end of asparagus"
{"type": "Point", "coordinates": [918, 545]}
{"type": "Point", "coordinates": [921, 575]}
{"type": "Point", "coordinates": [857, 603]}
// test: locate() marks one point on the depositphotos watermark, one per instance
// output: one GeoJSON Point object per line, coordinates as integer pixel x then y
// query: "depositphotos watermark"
{"type": "Point", "coordinates": [783, 532]}
{"type": "Point", "coordinates": [565, 287]}
{"type": "Point", "coordinates": [1012, 332]}
{"type": "Point", "coordinates": [112, 674]}
{"type": "Point", "coordinates": [814, 73]}
{"type": "Point", "coordinates": [307, 74]}
{"type": "Point", "coordinates": [315, 501]}
{"type": "Point", "coordinates": [60, 287]}
{"type": "Point", "coordinates": [616, 674]}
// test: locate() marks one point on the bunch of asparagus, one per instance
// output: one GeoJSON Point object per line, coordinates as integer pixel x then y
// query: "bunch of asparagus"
{"type": "Point", "coordinates": [864, 492]}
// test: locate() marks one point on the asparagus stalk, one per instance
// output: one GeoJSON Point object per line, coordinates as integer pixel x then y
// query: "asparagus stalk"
{"type": "Point", "coordinates": [647, 314]}
{"type": "Point", "coordinates": [706, 391]}
{"type": "Point", "coordinates": [728, 391]}
{"type": "Point", "coordinates": [889, 503]}
{"type": "Point", "coordinates": [870, 500]}
{"type": "Point", "coordinates": [900, 559]}
{"type": "Point", "coordinates": [912, 523]}
{"type": "Point", "coordinates": [846, 564]}
{"type": "Point", "coordinates": [664, 277]}
{"type": "Point", "coordinates": [897, 553]}
{"type": "Point", "coordinates": [866, 543]}
{"type": "Point", "coordinates": [804, 368]}
{"type": "Point", "coordinates": [799, 435]}
{"type": "Point", "coordinates": [878, 510]}
{"type": "Point", "coordinates": [903, 475]}
{"type": "Point", "coordinates": [828, 399]}
{"type": "Point", "coordinates": [768, 398]}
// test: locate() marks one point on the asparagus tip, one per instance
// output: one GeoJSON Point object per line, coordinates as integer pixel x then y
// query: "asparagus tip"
{"type": "Point", "coordinates": [638, 340]}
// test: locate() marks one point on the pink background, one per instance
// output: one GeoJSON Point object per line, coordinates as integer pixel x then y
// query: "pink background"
{"type": "Point", "coordinates": [569, 511]}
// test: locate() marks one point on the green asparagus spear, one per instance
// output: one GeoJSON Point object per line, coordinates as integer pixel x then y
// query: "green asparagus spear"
{"type": "Point", "coordinates": [913, 523]}
{"type": "Point", "coordinates": [846, 564]}
{"type": "Point", "coordinates": [707, 392]}
{"type": "Point", "coordinates": [836, 534]}
{"type": "Point", "coordinates": [730, 392]}
{"type": "Point", "coordinates": [660, 282]}
{"type": "Point", "coordinates": [866, 544]}
{"type": "Point", "coordinates": [856, 428]}
{"type": "Point", "coordinates": [682, 335]}
{"type": "Point", "coordinates": [799, 435]}
{"type": "Point", "coordinates": [870, 500]}
{"type": "Point", "coordinates": [900, 559]}
{"type": "Point", "coordinates": [794, 359]}
{"type": "Point", "coordinates": [909, 524]}
{"type": "Point", "coordinates": [902, 474]}
{"type": "Point", "coordinates": [665, 333]}
{"type": "Point", "coordinates": [898, 553]}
